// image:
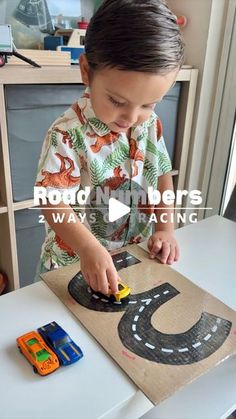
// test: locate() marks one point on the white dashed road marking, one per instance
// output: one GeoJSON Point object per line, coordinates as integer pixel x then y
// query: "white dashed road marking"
{"type": "Point", "coordinates": [195, 345]}
{"type": "Point", "coordinates": [149, 345]}
{"type": "Point", "coordinates": [207, 337]}
{"type": "Point", "coordinates": [137, 337]}
{"type": "Point", "coordinates": [147, 301]}
{"type": "Point", "coordinates": [167, 350]}
{"type": "Point", "coordinates": [136, 318]}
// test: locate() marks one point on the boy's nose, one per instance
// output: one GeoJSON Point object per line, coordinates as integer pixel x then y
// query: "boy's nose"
{"type": "Point", "coordinates": [130, 117]}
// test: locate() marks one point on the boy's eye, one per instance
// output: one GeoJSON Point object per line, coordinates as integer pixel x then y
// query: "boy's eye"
{"type": "Point", "coordinates": [115, 102]}
{"type": "Point", "coordinates": [150, 106]}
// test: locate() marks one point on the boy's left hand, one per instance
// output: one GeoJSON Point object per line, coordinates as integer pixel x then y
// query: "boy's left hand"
{"type": "Point", "coordinates": [163, 245]}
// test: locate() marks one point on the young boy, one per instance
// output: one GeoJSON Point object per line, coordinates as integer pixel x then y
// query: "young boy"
{"type": "Point", "coordinates": [133, 52]}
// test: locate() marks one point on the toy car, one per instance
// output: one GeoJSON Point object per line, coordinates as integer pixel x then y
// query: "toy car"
{"type": "Point", "coordinates": [61, 343]}
{"type": "Point", "coordinates": [121, 296]}
{"type": "Point", "coordinates": [33, 347]}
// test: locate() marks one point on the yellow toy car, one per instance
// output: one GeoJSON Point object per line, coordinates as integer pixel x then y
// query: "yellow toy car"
{"type": "Point", "coordinates": [121, 295]}
{"type": "Point", "coordinates": [123, 291]}
{"type": "Point", "coordinates": [33, 347]}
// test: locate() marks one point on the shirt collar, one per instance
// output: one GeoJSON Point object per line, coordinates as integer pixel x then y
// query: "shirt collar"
{"type": "Point", "coordinates": [98, 126]}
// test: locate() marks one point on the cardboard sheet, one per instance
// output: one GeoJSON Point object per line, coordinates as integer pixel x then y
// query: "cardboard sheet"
{"type": "Point", "coordinates": [169, 332]}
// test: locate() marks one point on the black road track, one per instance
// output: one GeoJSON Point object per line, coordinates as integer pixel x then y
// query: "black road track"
{"type": "Point", "coordinates": [136, 331]}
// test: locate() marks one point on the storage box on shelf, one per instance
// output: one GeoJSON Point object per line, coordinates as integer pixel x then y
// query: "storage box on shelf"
{"type": "Point", "coordinates": [30, 100]}
{"type": "Point", "coordinates": [29, 238]}
{"type": "Point", "coordinates": [167, 110]}
{"type": "Point", "coordinates": [30, 112]}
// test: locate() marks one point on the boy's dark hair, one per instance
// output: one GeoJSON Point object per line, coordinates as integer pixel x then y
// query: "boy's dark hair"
{"type": "Point", "coordinates": [137, 35]}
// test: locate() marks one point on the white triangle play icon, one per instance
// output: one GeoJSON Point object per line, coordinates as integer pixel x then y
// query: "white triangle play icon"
{"type": "Point", "coordinates": [117, 210]}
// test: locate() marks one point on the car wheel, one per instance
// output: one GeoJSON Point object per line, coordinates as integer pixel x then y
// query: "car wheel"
{"type": "Point", "coordinates": [35, 370]}
{"type": "Point", "coordinates": [20, 350]}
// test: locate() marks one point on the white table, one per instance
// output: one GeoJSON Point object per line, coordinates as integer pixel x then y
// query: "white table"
{"type": "Point", "coordinates": [95, 386]}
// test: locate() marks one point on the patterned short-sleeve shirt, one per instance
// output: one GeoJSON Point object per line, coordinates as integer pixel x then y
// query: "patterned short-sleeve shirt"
{"type": "Point", "coordinates": [79, 150]}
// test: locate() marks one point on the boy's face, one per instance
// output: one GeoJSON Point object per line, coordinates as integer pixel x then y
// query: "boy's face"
{"type": "Point", "coordinates": [123, 99]}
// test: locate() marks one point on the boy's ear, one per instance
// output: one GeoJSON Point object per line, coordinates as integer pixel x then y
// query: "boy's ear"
{"type": "Point", "coordinates": [84, 68]}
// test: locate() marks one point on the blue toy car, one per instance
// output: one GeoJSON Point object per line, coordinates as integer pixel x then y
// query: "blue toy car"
{"type": "Point", "coordinates": [60, 342]}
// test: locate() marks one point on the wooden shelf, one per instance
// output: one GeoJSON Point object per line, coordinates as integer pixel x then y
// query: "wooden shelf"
{"type": "Point", "coordinates": [3, 209]}
{"type": "Point", "coordinates": [174, 172]}
{"type": "Point", "coordinates": [44, 75]}
{"type": "Point", "coordinates": [17, 206]}
{"type": "Point", "coordinates": [55, 75]}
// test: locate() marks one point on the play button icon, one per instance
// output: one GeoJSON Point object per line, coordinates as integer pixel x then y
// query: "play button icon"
{"type": "Point", "coordinates": [117, 210]}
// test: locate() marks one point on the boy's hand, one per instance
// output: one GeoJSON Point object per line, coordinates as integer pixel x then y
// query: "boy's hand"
{"type": "Point", "coordinates": [163, 245]}
{"type": "Point", "coordinates": [98, 268]}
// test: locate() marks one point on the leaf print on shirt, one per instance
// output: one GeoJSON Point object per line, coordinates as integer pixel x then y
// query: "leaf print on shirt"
{"type": "Point", "coordinates": [146, 230]}
{"type": "Point", "coordinates": [142, 138]}
{"type": "Point", "coordinates": [54, 141]}
{"type": "Point", "coordinates": [152, 148]}
{"type": "Point", "coordinates": [151, 173]}
{"type": "Point", "coordinates": [68, 260]}
{"type": "Point", "coordinates": [162, 158]}
{"type": "Point", "coordinates": [77, 138]}
{"type": "Point", "coordinates": [97, 173]}
{"type": "Point", "coordinates": [117, 157]}
{"type": "Point", "coordinates": [99, 227]}
{"type": "Point", "coordinates": [164, 162]}
{"type": "Point", "coordinates": [99, 126]}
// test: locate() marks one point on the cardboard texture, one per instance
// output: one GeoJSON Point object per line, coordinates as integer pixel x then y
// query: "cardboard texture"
{"type": "Point", "coordinates": [168, 334]}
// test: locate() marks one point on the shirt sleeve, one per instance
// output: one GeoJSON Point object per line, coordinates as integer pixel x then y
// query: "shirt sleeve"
{"type": "Point", "coordinates": [163, 160]}
{"type": "Point", "coordinates": [58, 167]}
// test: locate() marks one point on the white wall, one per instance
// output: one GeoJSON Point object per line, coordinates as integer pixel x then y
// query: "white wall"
{"type": "Point", "coordinates": [87, 8]}
{"type": "Point", "coordinates": [2, 11]}
{"type": "Point", "coordinates": [231, 181]}
{"type": "Point", "coordinates": [196, 31]}
{"type": "Point", "coordinates": [203, 35]}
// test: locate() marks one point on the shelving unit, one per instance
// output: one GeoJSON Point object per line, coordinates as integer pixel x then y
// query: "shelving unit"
{"type": "Point", "coordinates": [69, 75]}
{"type": "Point", "coordinates": [3, 209]}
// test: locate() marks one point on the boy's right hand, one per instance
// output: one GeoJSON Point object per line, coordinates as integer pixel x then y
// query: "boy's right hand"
{"type": "Point", "coordinates": [98, 268]}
